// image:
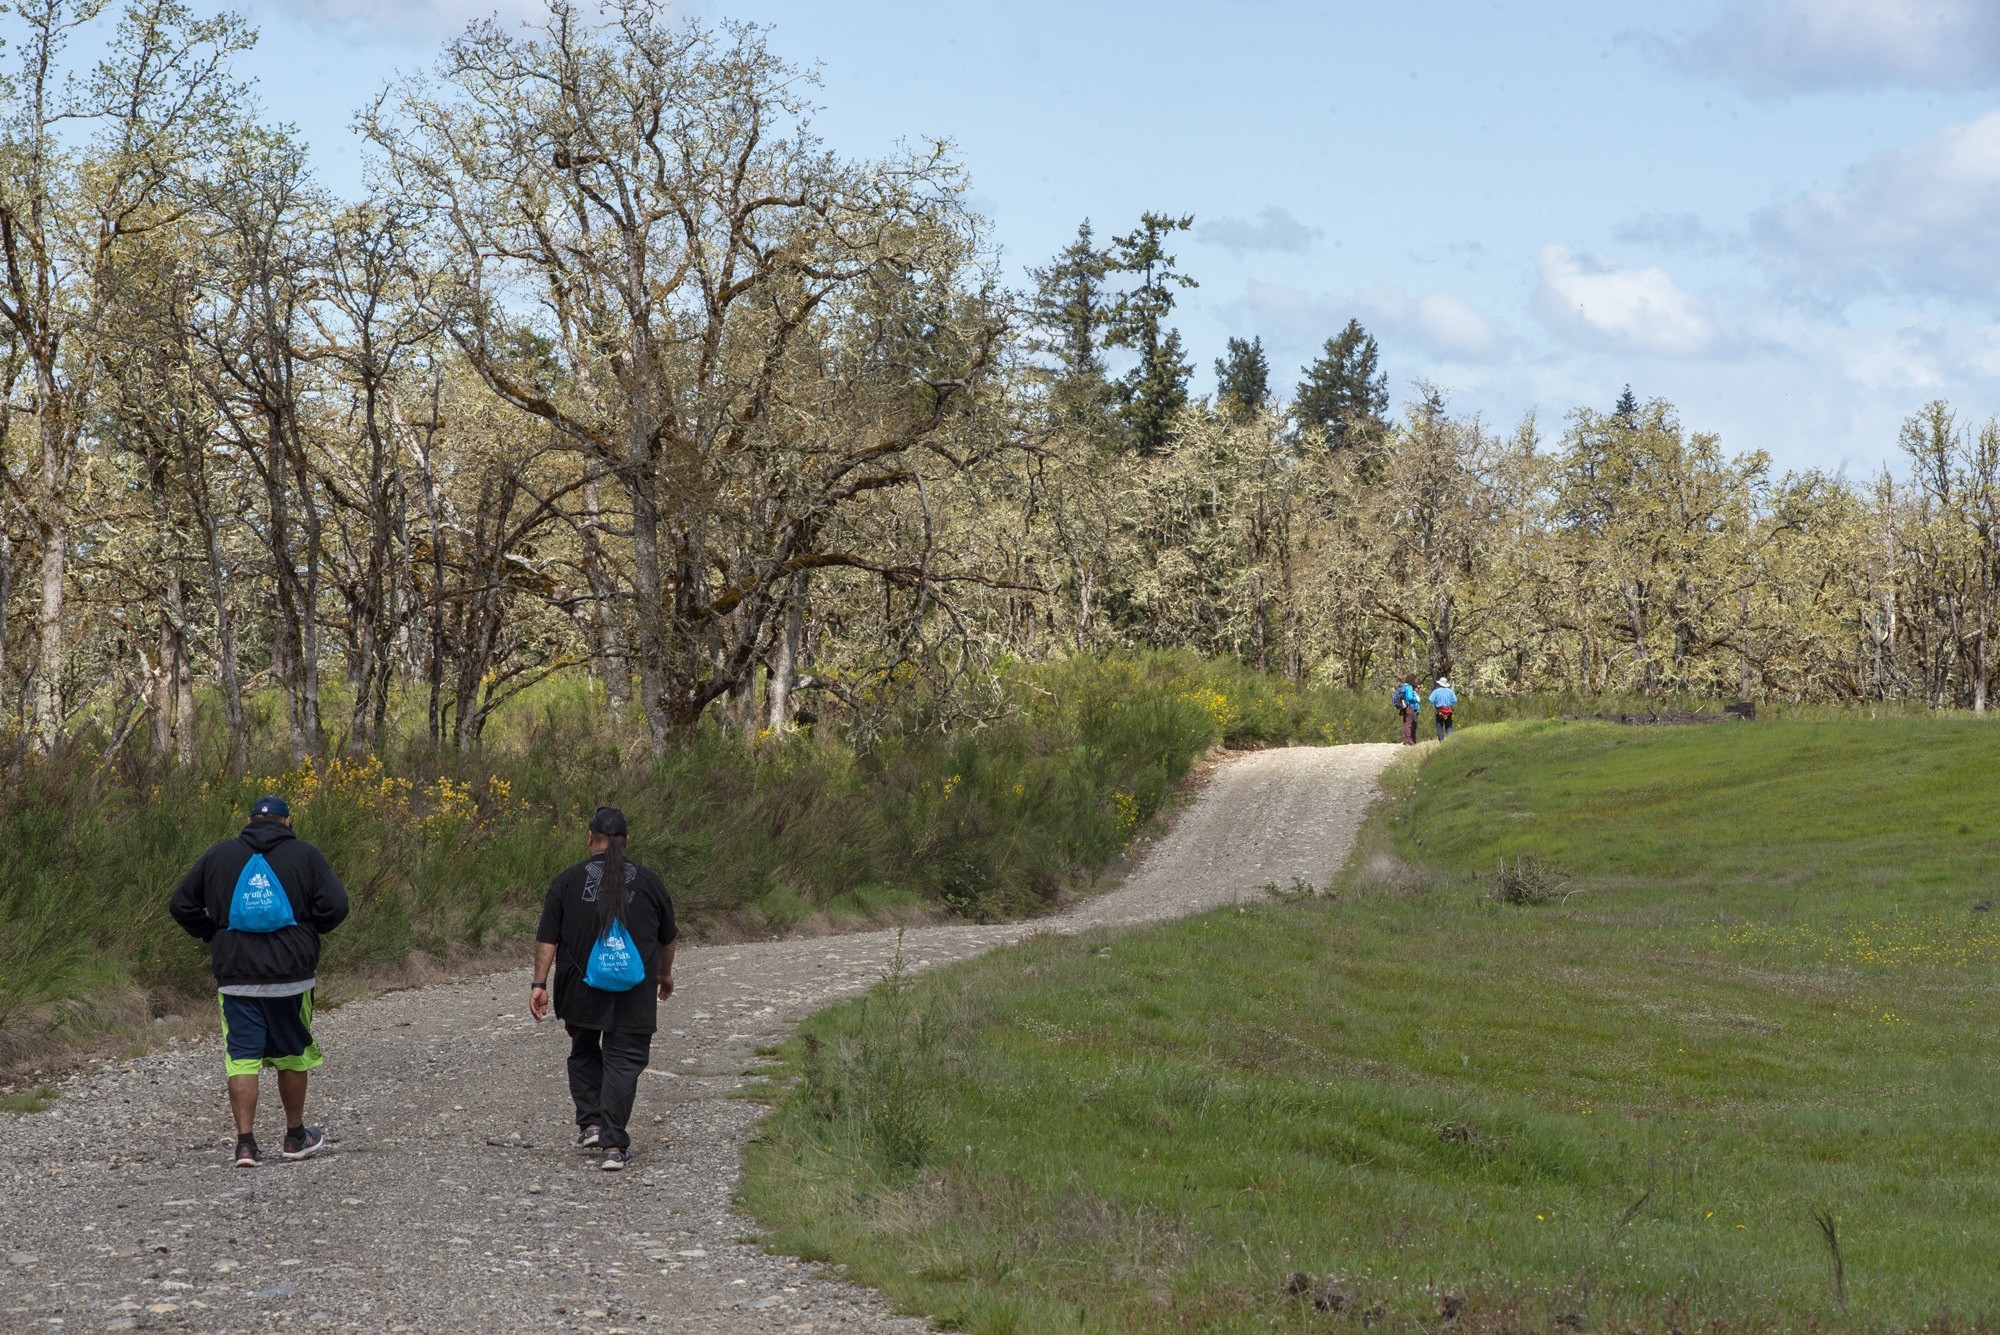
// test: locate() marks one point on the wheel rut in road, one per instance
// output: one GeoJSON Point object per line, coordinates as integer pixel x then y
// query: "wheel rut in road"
{"type": "Point", "coordinates": [453, 1197]}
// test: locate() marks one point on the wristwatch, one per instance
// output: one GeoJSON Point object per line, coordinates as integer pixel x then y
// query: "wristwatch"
{"type": "Point", "coordinates": [538, 987]}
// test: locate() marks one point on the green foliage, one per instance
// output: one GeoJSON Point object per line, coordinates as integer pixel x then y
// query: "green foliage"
{"type": "Point", "coordinates": [1071, 308]}
{"type": "Point", "coordinates": [1243, 378]}
{"type": "Point", "coordinates": [1155, 391]}
{"type": "Point", "coordinates": [1760, 1006]}
{"type": "Point", "coordinates": [1626, 410]}
{"type": "Point", "coordinates": [1345, 395]}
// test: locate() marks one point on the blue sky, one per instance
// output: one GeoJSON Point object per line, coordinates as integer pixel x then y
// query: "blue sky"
{"type": "Point", "coordinates": [1783, 215]}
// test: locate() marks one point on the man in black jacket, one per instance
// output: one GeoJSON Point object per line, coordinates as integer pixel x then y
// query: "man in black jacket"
{"type": "Point", "coordinates": [261, 901]}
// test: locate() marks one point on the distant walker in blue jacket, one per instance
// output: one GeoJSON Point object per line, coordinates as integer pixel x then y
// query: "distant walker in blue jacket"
{"type": "Point", "coordinates": [1409, 705]}
{"type": "Point", "coordinates": [1443, 701]}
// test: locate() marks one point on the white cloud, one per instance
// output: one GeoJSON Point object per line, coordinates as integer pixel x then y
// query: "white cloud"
{"type": "Point", "coordinates": [1287, 318]}
{"type": "Point", "coordinates": [1924, 219]}
{"type": "Point", "coordinates": [1777, 47]}
{"type": "Point", "coordinates": [1814, 389]}
{"type": "Point", "coordinates": [1436, 324]}
{"type": "Point", "coordinates": [1273, 230]}
{"type": "Point", "coordinates": [1921, 358]}
{"type": "Point", "coordinates": [1596, 302]}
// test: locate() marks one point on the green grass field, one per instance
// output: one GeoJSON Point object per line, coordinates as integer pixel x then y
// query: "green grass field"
{"type": "Point", "coordinates": [1766, 1000]}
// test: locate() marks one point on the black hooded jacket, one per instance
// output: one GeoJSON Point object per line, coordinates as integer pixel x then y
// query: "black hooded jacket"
{"type": "Point", "coordinates": [288, 955]}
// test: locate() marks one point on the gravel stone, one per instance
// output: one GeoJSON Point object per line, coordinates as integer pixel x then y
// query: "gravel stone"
{"type": "Point", "coordinates": [452, 1198]}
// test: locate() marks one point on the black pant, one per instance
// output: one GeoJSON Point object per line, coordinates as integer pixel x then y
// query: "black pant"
{"type": "Point", "coordinates": [604, 1066]}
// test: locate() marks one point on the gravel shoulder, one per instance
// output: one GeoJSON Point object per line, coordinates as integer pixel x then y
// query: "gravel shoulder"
{"type": "Point", "coordinates": [453, 1198]}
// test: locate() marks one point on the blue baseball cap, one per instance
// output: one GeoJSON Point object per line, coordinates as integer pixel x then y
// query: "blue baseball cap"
{"type": "Point", "coordinates": [269, 806]}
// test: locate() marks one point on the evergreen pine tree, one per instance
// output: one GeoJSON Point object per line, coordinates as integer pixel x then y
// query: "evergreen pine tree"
{"type": "Point", "coordinates": [1242, 378]}
{"type": "Point", "coordinates": [1430, 402]}
{"type": "Point", "coordinates": [1626, 411]}
{"type": "Point", "coordinates": [1156, 390]}
{"type": "Point", "coordinates": [1344, 393]}
{"type": "Point", "coordinates": [1071, 307]}
{"type": "Point", "coordinates": [1071, 311]}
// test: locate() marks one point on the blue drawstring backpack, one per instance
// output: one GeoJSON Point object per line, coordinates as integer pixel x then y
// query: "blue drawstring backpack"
{"type": "Point", "coordinates": [259, 903]}
{"type": "Point", "coordinates": [615, 965]}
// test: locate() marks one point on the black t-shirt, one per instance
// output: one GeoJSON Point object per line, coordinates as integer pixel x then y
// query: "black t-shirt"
{"type": "Point", "coordinates": [569, 923]}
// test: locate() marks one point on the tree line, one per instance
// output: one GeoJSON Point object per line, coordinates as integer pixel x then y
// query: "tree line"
{"type": "Point", "coordinates": [619, 370]}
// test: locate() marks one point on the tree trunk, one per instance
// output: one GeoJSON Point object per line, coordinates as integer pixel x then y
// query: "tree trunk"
{"type": "Point", "coordinates": [48, 687]}
{"type": "Point", "coordinates": [402, 589]}
{"type": "Point", "coordinates": [1083, 611]}
{"type": "Point", "coordinates": [1636, 618]}
{"type": "Point", "coordinates": [309, 719]}
{"type": "Point", "coordinates": [225, 647]}
{"type": "Point", "coordinates": [647, 614]}
{"type": "Point", "coordinates": [173, 699]}
{"type": "Point", "coordinates": [158, 692]}
{"type": "Point", "coordinates": [743, 708]}
{"type": "Point", "coordinates": [287, 647]}
{"type": "Point", "coordinates": [6, 600]}
{"type": "Point", "coordinates": [420, 449]}
{"type": "Point", "coordinates": [784, 673]}
{"type": "Point", "coordinates": [1260, 638]}
{"type": "Point", "coordinates": [54, 526]}
{"type": "Point", "coordinates": [373, 607]}
{"type": "Point", "coordinates": [1444, 638]}
{"type": "Point", "coordinates": [435, 668]}
{"type": "Point", "coordinates": [608, 658]}
{"type": "Point", "coordinates": [1981, 654]}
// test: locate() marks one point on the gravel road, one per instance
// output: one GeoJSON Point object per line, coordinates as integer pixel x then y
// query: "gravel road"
{"type": "Point", "coordinates": [453, 1197]}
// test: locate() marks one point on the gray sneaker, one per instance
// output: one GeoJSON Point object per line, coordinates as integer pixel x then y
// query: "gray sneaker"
{"type": "Point", "coordinates": [589, 1138]}
{"type": "Point", "coordinates": [310, 1141]}
{"type": "Point", "coordinates": [615, 1160]}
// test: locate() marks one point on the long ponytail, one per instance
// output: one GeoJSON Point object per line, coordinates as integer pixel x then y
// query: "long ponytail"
{"type": "Point", "coordinates": [612, 895]}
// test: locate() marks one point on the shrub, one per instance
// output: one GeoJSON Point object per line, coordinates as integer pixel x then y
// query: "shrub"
{"type": "Point", "coordinates": [1526, 881]}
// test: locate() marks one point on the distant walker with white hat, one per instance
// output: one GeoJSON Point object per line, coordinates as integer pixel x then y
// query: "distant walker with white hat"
{"type": "Point", "coordinates": [1444, 700]}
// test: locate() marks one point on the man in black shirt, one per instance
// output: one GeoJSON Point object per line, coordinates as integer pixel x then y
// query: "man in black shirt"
{"type": "Point", "coordinates": [610, 1027]}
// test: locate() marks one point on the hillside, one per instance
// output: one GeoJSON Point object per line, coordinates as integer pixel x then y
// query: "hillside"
{"type": "Point", "coordinates": [1755, 997]}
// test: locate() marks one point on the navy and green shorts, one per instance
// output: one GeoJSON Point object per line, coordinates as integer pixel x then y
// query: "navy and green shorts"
{"type": "Point", "coordinates": [274, 1032]}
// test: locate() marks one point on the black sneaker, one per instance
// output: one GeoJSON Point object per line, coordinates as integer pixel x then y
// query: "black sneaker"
{"type": "Point", "coordinates": [589, 1138]}
{"type": "Point", "coordinates": [615, 1160]}
{"type": "Point", "coordinates": [306, 1142]}
{"type": "Point", "coordinates": [247, 1154]}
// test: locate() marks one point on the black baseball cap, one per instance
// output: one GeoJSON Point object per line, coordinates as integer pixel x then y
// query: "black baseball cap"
{"type": "Point", "coordinates": [608, 821]}
{"type": "Point", "coordinates": [270, 806]}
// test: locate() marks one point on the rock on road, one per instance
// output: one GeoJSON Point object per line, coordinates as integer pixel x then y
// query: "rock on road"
{"type": "Point", "coordinates": [453, 1197]}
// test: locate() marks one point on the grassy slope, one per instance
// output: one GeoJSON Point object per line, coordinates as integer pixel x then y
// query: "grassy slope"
{"type": "Point", "coordinates": [1770, 996]}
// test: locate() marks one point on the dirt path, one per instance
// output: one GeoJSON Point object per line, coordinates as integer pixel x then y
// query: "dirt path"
{"type": "Point", "coordinates": [454, 1199]}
